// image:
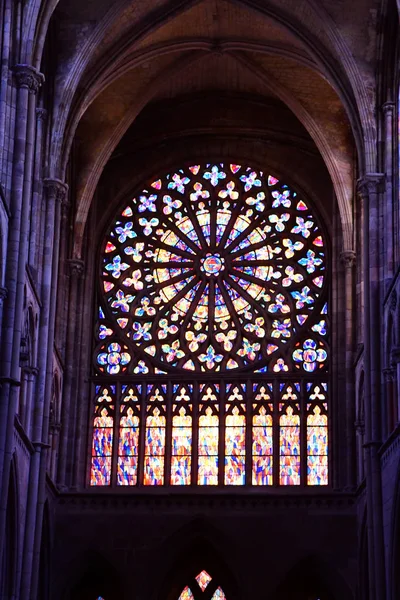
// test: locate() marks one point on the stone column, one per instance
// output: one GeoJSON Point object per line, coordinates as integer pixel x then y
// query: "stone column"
{"type": "Point", "coordinates": [41, 116]}
{"type": "Point", "coordinates": [61, 205]}
{"type": "Point", "coordinates": [395, 359]}
{"type": "Point", "coordinates": [3, 296]}
{"type": "Point", "coordinates": [360, 432]}
{"type": "Point", "coordinates": [28, 81]}
{"type": "Point", "coordinates": [369, 188]}
{"type": "Point", "coordinates": [76, 272]}
{"type": "Point", "coordinates": [55, 192]}
{"type": "Point", "coordinates": [54, 438]}
{"type": "Point", "coordinates": [348, 259]}
{"type": "Point", "coordinates": [391, 404]}
{"type": "Point", "coordinates": [4, 77]}
{"type": "Point", "coordinates": [30, 374]}
{"type": "Point", "coordinates": [388, 264]}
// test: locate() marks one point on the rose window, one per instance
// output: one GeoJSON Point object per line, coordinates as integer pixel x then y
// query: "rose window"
{"type": "Point", "coordinates": [218, 274]}
{"type": "Point", "coordinates": [214, 269]}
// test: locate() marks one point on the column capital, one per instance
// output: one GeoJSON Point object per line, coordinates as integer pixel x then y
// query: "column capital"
{"type": "Point", "coordinates": [76, 267]}
{"type": "Point", "coordinates": [360, 426]}
{"type": "Point", "coordinates": [28, 77]}
{"type": "Point", "coordinates": [389, 374]}
{"type": "Point", "coordinates": [388, 108]}
{"type": "Point", "coordinates": [32, 371]}
{"type": "Point", "coordinates": [370, 183]}
{"type": "Point", "coordinates": [41, 114]}
{"type": "Point", "coordinates": [56, 189]}
{"type": "Point", "coordinates": [348, 258]}
{"type": "Point", "coordinates": [395, 355]}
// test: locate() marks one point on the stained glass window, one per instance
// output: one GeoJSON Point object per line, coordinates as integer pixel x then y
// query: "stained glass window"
{"type": "Point", "coordinates": [202, 581]}
{"type": "Point", "coordinates": [211, 353]}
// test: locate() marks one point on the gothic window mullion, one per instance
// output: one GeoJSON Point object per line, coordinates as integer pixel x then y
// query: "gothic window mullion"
{"type": "Point", "coordinates": [276, 432]}
{"type": "Point", "coordinates": [303, 435]}
{"type": "Point", "coordinates": [221, 444]}
{"type": "Point", "coordinates": [249, 434]}
{"type": "Point", "coordinates": [116, 434]}
{"type": "Point", "coordinates": [168, 436]}
{"type": "Point", "coordinates": [195, 433]}
{"type": "Point", "coordinates": [142, 433]}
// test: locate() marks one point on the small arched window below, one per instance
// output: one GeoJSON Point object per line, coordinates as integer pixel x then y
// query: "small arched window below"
{"type": "Point", "coordinates": [203, 588]}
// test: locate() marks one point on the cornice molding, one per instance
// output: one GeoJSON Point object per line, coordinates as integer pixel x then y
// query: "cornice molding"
{"type": "Point", "coordinates": [94, 502]}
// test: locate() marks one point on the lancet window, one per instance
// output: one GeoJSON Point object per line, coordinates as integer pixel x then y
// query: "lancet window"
{"type": "Point", "coordinates": [211, 357]}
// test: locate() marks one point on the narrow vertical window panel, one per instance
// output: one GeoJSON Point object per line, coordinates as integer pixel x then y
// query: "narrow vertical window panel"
{"type": "Point", "coordinates": [208, 440]}
{"type": "Point", "coordinates": [102, 441]}
{"type": "Point", "coordinates": [262, 448]}
{"type": "Point", "coordinates": [208, 448]}
{"type": "Point", "coordinates": [181, 459]}
{"type": "Point", "coordinates": [181, 455]}
{"type": "Point", "coordinates": [235, 438]}
{"type": "Point", "coordinates": [289, 448]}
{"type": "Point", "coordinates": [128, 445]}
{"type": "Point", "coordinates": [317, 448]}
{"type": "Point", "coordinates": [262, 434]}
{"type": "Point", "coordinates": [154, 459]}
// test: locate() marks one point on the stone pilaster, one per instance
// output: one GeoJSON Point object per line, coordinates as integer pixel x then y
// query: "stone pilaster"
{"type": "Point", "coordinates": [348, 259]}
{"type": "Point", "coordinates": [370, 187]}
{"type": "Point", "coordinates": [76, 270]}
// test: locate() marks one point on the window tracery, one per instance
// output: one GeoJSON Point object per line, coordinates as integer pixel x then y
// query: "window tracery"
{"type": "Point", "coordinates": [211, 357]}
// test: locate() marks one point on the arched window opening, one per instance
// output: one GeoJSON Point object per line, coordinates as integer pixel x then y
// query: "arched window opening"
{"type": "Point", "coordinates": [360, 430]}
{"type": "Point", "coordinates": [8, 564]}
{"type": "Point", "coordinates": [211, 357]}
{"type": "Point", "coordinates": [204, 588]}
{"type": "Point", "coordinates": [28, 370]}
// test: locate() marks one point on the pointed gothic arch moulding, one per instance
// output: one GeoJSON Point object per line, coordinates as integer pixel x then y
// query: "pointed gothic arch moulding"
{"type": "Point", "coordinates": [211, 358]}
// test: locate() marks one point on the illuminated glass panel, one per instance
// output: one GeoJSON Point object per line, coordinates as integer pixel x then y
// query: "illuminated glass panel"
{"type": "Point", "coordinates": [208, 436]}
{"type": "Point", "coordinates": [289, 438]}
{"type": "Point", "coordinates": [186, 594]}
{"type": "Point", "coordinates": [317, 436]}
{"type": "Point", "coordinates": [212, 268]}
{"type": "Point", "coordinates": [218, 595]}
{"type": "Point", "coordinates": [128, 448]}
{"type": "Point", "coordinates": [154, 453]}
{"type": "Point", "coordinates": [262, 446]}
{"type": "Point", "coordinates": [102, 440]}
{"type": "Point", "coordinates": [203, 579]}
{"type": "Point", "coordinates": [181, 459]}
{"type": "Point", "coordinates": [235, 436]}
{"type": "Point", "coordinates": [219, 270]}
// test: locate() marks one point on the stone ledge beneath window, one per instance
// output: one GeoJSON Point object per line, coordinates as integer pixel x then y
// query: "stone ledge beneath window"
{"type": "Point", "coordinates": [315, 500]}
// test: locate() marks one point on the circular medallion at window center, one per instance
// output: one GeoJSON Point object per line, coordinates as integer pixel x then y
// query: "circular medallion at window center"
{"type": "Point", "coordinates": [212, 264]}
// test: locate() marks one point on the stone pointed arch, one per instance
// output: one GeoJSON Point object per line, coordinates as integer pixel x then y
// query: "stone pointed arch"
{"type": "Point", "coordinates": [9, 546]}
{"type": "Point", "coordinates": [196, 547]}
{"type": "Point", "coordinates": [311, 578]}
{"type": "Point", "coordinates": [89, 575]}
